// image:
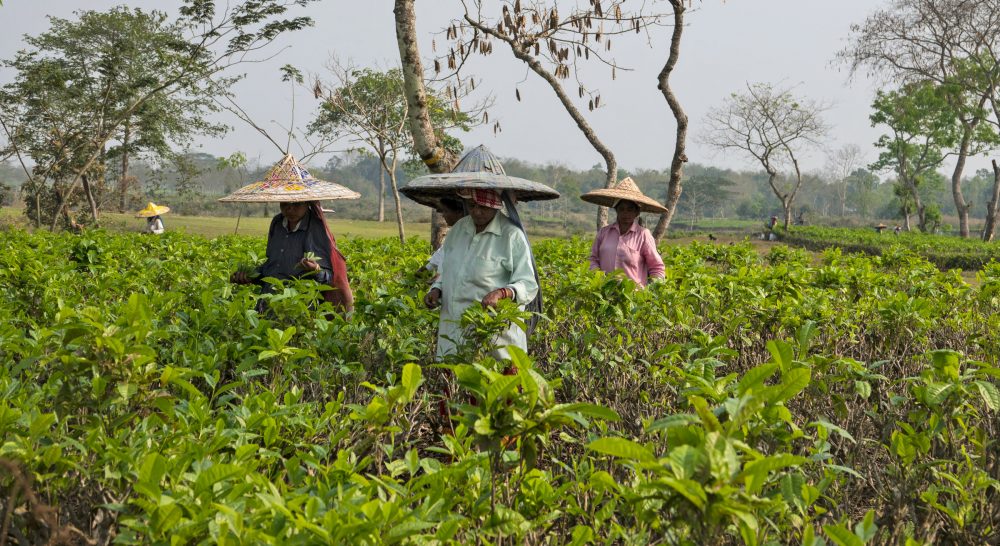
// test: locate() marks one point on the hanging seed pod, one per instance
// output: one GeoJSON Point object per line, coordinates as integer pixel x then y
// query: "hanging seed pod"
{"type": "Point", "coordinates": [598, 9]}
{"type": "Point", "coordinates": [452, 65]}
{"type": "Point", "coordinates": [437, 66]}
{"type": "Point", "coordinates": [581, 91]}
{"type": "Point", "coordinates": [591, 105]}
{"type": "Point", "coordinates": [586, 53]}
{"type": "Point", "coordinates": [579, 51]}
{"type": "Point", "coordinates": [597, 101]}
{"type": "Point", "coordinates": [317, 90]}
{"type": "Point", "coordinates": [434, 45]}
{"type": "Point", "coordinates": [472, 83]}
{"type": "Point", "coordinates": [517, 94]}
{"type": "Point", "coordinates": [587, 21]}
{"type": "Point", "coordinates": [618, 13]}
{"type": "Point", "coordinates": [534, 18]}
{"type": "Point", "coordinates": [584, 36]}
{"type": "Point", "coordinates": [461, 48]}
{"type": "Point", "coordinates": [609, 44]}
{"type": "Point", "coordinates": [486, 118]}
{"type": "Point", "coordinates": [538, 49]}
{"type": "Point", "coordinates": [635, 23]}
{"type": "Point", "coordinates": [553, 18]}
{"type": "Point", "coordinates": [517, 6]}
{"type": "Point", "coordinates": [612, 72]}
{"type": "Point", "coordinates": [597, 37]}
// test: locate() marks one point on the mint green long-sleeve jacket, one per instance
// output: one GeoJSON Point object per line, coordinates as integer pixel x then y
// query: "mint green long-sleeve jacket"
{"type": "Point", "coordinates": [473, 265]}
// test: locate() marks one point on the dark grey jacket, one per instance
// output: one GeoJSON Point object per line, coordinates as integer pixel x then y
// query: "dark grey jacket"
{"type": "Point", "coordinates": [286, 248]}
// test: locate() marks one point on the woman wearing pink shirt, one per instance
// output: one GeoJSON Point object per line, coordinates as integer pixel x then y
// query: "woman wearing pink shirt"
{"type": "Point", "coordinates": [625, 245]}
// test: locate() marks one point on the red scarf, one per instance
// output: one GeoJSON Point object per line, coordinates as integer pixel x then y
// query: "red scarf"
{"type": "Point", "coordinates": [341, 297]}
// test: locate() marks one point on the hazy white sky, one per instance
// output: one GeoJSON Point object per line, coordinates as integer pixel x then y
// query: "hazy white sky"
{"type": "Point", "coordinates": [726, 45]}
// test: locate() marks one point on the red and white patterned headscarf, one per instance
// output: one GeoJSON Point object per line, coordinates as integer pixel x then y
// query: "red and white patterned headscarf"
{"type": "Point", "coordinates": [483, 198]}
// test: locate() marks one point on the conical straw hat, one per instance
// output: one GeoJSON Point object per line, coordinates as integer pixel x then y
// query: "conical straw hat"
{"type": "Point", "coordinates": [624, 189]}
{"type": "Point", "coordinates": [478, 169]}
{"type": "Point", "coordinates": [290, 182]}
{"type": "Point", "coordinates": [151, 210]}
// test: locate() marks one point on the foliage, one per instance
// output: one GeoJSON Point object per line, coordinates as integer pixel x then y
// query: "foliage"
{"type": "Point", "coordinates": [946, 252]}
{"type": "Point", "coordinates": [743, 399]}
{"type": "Point", "coordinates": [138, 78]}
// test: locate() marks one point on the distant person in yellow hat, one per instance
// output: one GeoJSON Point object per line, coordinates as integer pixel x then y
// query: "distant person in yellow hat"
{"type": "Point", "coordinates": [152, 213]}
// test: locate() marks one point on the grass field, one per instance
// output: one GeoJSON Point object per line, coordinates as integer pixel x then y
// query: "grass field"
{"type": "Point", "coordinates": [214, 226]}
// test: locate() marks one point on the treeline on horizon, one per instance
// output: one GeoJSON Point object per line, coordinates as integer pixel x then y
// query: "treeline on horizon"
{"type": "Point", "coordinates": [191, 184]}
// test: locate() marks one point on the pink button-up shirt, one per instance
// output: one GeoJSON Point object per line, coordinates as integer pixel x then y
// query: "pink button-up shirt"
{"type": "Point", "coordinates": [634, 252]}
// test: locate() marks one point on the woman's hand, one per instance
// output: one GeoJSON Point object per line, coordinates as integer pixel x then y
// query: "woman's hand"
{"type": "Point", "coordinates": [308, 265]}
{"type": "Point", "coordinates": [239, 277]}
{"type": "Point", "coordinates": [491, 299]}
{"type": "Point", "coordinates": [433, 298]}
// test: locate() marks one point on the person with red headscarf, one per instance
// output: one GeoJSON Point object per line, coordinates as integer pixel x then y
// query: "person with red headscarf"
{"type": "Point", "coordinates": [299, 229]}
{"type": "Point", "coordinates": [486, 258]}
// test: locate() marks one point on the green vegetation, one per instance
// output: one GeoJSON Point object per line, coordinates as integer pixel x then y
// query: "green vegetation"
{"type": "Point", "coordinates": [742, 400]}
{"type": "Point", "coordinates": [946, 252]}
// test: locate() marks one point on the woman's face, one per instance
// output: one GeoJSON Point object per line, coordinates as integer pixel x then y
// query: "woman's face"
{"type": "Point", "coordinates": [451, 216]}
{"type": "Point", "coordinates": [481, 216]}
{"type": "Point", "coordinates": [293, 212]}
{"type": "Point", "coordinates": [627, 212]}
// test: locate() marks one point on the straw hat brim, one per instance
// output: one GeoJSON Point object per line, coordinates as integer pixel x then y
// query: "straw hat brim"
{"type": "Point", "coordinates": [316, 190]}
{"type": "Point", "coordinates": [606, 197]}
{"type": "Point", "coordinates": [147, 213]}
{"type": "Point", "coordinates": [429, 189]}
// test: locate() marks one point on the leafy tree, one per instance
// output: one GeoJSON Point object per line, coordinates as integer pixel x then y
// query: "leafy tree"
{"type": "Point", "coordinates": [705, 192]}
{"type": "Point", "coordinates": [922, 126]}
{"type": "Point", "coordinates": [369, 107]}
{"type": "Point", "coordinates": [953, 43]}
{"type": "Point", "coordinates": [861, 185]}
{"type": "Point", "coordinates": [129, 77]}
{"type": "Point", "coordinates": [772, 126]}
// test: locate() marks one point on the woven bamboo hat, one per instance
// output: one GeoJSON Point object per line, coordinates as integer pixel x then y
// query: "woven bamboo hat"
{"type": "Point", "coordinates": [290, 182]}
{"type": "Point", "coordinates": [478, 169]}
{"type": "Point", "coordinates": [623, 190]}
{"type": "Point", "coordinates": [151, 210]}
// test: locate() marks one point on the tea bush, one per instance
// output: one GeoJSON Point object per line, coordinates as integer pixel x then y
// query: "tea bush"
{"type": "Point", "coordinates": [743, 399]}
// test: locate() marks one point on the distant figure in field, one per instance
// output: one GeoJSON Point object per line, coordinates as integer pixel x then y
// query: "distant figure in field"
{"type": "Point", "coordinates": [897, 229]}
{"type": "Point", "coordinates": [625, 245]}
{"type": "Point", "coordinates": [152, 213]}
{"type": "Point", "coordinates": [772, 222]}
{"type": "Point", "coordinates": [880, 228]}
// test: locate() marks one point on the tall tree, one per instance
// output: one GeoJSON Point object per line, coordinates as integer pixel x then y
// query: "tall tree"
{"type": "Point", "coordinates": [773, 127]}
{"type": "Point", "coordinates": [921, 124]}
{"type": "Point", "coordinates": [553, 46]}
{"type": "Point", "coordinates": [85, 83]}
{"type": "Point", "coordinates": [862, 184]}
{"type": "Point", "coordinates": [674, 187]}
{"type": "Point", "coordinates": [942, 41]}
{"type": "Point", "coordinates": [841, 163]}
{"type": "Point", "coordinates": [427, 143]}
{"type": "Point", "coordinates": [369, 107]}
{"type": "Point", "coordinates": [704, 192]}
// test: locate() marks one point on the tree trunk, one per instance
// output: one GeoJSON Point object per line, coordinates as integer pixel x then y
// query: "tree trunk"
{"type": "Point", "coordinates": [123, 182]}
{"type": "Point", "coordinates": [786, 208]}
{"type": "Point", "coordinates": [395, 196]}
{"type": "Point", "coordinates": [425, 142]}
{"type": "Point", "coordinates": [677, 164]}
{"type": "Point", "coordinates": [994, 206]}
{"type": "Point", "coordinates": [90, 197]}
{"type": "Point", "coordinates": [906, 221]}
{"type": "Point", "coordinates": [381, 194]}
{"type": "Point", "coordinates": [522, 54]}
{"type": "Point", "coordinates": [961, 207]}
